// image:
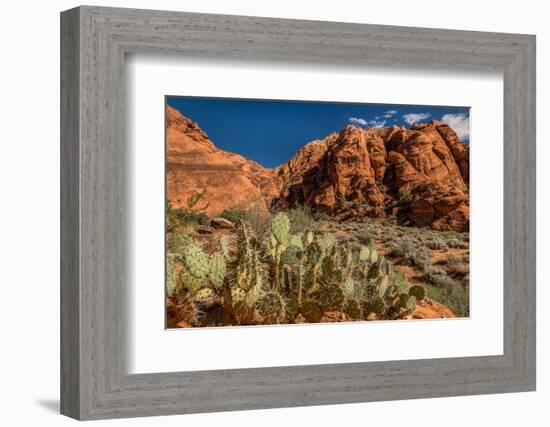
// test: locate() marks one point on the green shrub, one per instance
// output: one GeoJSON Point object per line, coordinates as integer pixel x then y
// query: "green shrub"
{"type": "Point", "coordinates": [301, 219]}
{"type": "Point", "coordinates": [365, 237]}
{"type": "Point", "coordinates": [439, 278]}
{"type": "Point", "coordinates": [458, 264]}
{"type": "Point", "coordinates": [404, 196]}
{"type": "Point", "coordinates": [456, 298]}
{"type": "Point", "coordinates": [234, 215]}
{"type": "Point", "coordinates": [435, 243]}
{"type": "Point", "coordinates": [176, 217]}
{"type": "Point", "coordinates": [411, 252]}
{"type": "Point", "coordinates": [320, 216]}
{"type": "Point", "coordinates": [254, 216]}
{"type": "Point", "coordinates": [457, 244]}
{"type": "Point", "coordinates": [456, 235]}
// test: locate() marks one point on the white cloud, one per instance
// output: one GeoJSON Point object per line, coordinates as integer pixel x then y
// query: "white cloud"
{"type": "Point", "coordinates": [412, 118]}
{"type": "Point", "coordinates": [377, 123]}
{"type": "Point", "coordinates": [358, 121]}
{"type": "Point", "coordinates": [460, 123]}
{"type": "Point", "coordinates": [367, 123]}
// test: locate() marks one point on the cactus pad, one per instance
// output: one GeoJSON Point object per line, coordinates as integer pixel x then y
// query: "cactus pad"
{"type": "Point", "coordinates": [411, 304]}
{"type": "Point", "coordinates": [205, 295]}
{"type": "Point", "coordinates": [364, 254]}
{"type": "Point", "coordinates": [224, 246]}
{"type": "Point", "coordinates": [418, 291]}
{"type": "Point", "coordinates": [170, 277]}
{"type": "Point", "coordinates": [271, 308]}
{"type": "Point", "coordinates": [217, 269]}
{"type": "Point", "coordinates": [327, 242]}
{"type": "Point", "coordinates": [195, 260]}
{"type": "Point", "coordinates": [280, 227]}
{"type": "Point", "coordinates": [352, 309]}
{"type": "Point", "coordinates": [237, 295]}
{"type": "Point", "coordinates": [296, 240]}
{"type": "Point", "coordinates": [290, 255]}
{"type": "Point", "coordinates": [374, 271]}
{"type": "Point", "coordinates": [373, 256]}
{"type": "Point", "coordinates": [292, 306]}
{"type": "Point", "coordinates": [313, 253]}
{"type": "Point", "coordinates": [331, 297]}
{"type": "Point", "coordinates": [190, 282]}
{"type": "Point", "coordinates": [378, 307]}
{"type": "Point", "coordinates": [383, 284]}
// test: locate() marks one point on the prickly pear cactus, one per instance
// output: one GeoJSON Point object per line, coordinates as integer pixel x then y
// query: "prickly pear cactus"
{"type": "Point", "coordinates": [296, 240]}
{"type": "Point", "coordinates": [349, 288]}
{"type": "Point", "coordinates": [373, 256]}
{"type": "Point", "coordinates": [327, 242]}
{"type": "Point", "coordinates": [400, 282]}
{"type": "Point", "coordinates": [180, 242]}
{"type": "Point", "coordinates": [292, 305]}
{"type": "Point", "coordinates": [271, 308]}
{"type": "Point", "coordinates": [205, 296]}
{"type": "Point", "coordinates": [195, 260]}
{"type": "Point", "coordinates": [313, 253]}
{"type": "Point", "coordinates": [374, 271]}
{"type": "Point", "coordinates": [353, 310]}
{"type": "Point", "coordinates": [311, 311]}
{"type": "Point", "coordinates": [286, 278]}
{"type": "Point", "coordinates": [224, 246]}
{"type": "Point", "coordinates": [411, 304]}
{"type": "Point", "coordinates": [171, 283]}
{"type": "Point", "coordinates": [331, 297]}
{"type": "Point", "coordinates": [378, 307]}
{"type": "Point", "coordinates": [191, 283]}
{"type": "Point", "coordinates": [383, 284]}
{"type": "Point", "coordinates": [291, 255]}
{"type": "Point", "coordinates": [364, 254]}
{"type": "Point", "coordinates": [280, 227]}
{"type": "Point", "coordinates": [217, 269]}
{"type": "Point", "coordinates": [418, 291]}
{"type": "Point", "coordinates": [237, 295]}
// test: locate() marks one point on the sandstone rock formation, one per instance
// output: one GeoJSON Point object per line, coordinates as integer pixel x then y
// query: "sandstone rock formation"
{"type": "Point", "coordinates": [195, 165]}
{"type": "Point", "coordinates": [430, 309]}
{"type": "Point", "coordinates": [419, 175]}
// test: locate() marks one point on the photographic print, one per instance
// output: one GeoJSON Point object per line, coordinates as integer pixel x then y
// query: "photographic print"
{"type": "Point", "coordinates": [294, 212]}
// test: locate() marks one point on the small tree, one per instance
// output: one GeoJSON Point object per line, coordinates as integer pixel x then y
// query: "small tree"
{"type": "Point", "coordinates": [404, 196]}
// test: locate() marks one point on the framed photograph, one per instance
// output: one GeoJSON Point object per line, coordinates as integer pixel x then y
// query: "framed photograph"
{"type": "Point", "coordinates": [262, 213]}
{"type": "Point", "coordinates": [344, 212]}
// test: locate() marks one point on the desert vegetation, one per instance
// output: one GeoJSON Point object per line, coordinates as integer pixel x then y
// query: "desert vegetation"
{"type": "Point", "coordinates": [364, 224]}
{"type": "Point", "coordinates": [245, 268]}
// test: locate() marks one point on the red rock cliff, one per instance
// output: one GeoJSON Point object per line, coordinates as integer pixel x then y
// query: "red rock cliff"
{"type": "Point", "coordinates": [195, 164]}
{"type": "Point", "coordinates": [420, 175]}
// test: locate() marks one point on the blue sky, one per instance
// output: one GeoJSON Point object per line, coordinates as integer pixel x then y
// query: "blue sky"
{"type": "Point", "coordinates": [271, 131]}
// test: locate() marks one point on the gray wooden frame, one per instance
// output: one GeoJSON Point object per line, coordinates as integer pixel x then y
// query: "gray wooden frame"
{"type": "Point", "coordinates": [94, 382]}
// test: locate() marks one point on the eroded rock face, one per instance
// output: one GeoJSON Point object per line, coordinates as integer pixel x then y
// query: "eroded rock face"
{"type": "Point", "coordinates": [419, 175]}
{"type": "Point", "coordinates": [195, 165]}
